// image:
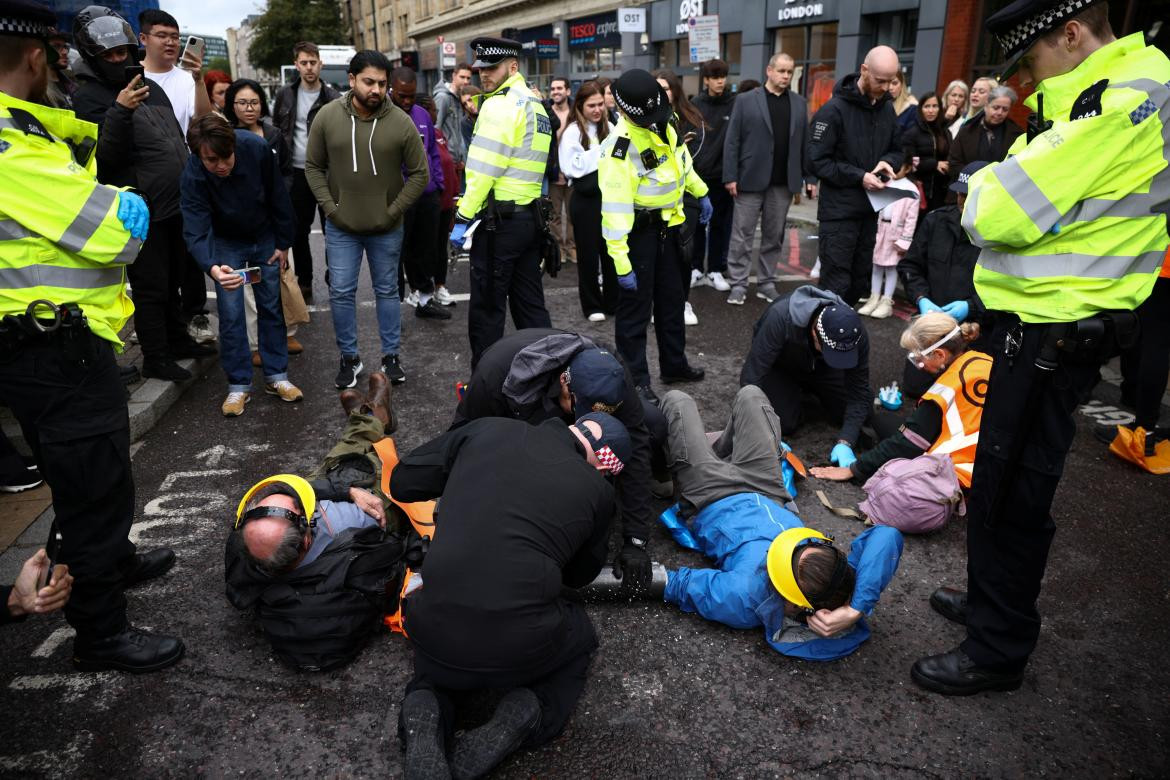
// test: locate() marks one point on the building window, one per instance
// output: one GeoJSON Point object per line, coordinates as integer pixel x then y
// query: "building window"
{"type": "Point", "coordinates": [814, 48]}
{"type": "Point", "coordinates": [448, 5]}
{"type": "Point", "coordinates": [591, 61]}
{"type": "Point", "coordinates": [668, 54]}
{"type": "Point", "coordinates": [422, 8]}
{"type": "Point", "coordinates": [732, 44]}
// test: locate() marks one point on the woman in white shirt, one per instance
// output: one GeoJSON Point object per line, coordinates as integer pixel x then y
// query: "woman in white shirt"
{"type": "Point", "coordinates": [579, 153]}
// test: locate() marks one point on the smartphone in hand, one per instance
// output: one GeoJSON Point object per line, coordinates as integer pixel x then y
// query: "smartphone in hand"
{"type": "Point", "coordinates": [193, 46]}
{"type": "Point", "coordinates": [135, 76]}
{"type": "Point", "coordinates": [250, 275]}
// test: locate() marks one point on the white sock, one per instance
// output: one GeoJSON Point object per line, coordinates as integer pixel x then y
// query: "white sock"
{"type": "Point", "coordinates": [891, 282]}
{"type": "Point", "coordinates": [424, 298]}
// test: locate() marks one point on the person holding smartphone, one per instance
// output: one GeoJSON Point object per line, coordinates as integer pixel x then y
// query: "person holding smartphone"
{"type": "Point", "coordinates": [40, 588]}
{"type": "Point", "coordinates": [238, 223]}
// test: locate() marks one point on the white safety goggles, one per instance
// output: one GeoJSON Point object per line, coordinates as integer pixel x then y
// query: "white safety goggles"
{"type": "Point", "coordinates": [917, 357]}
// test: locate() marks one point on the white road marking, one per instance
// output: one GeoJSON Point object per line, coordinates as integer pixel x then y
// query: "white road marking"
{"type": "Point", "coordinates": [53, 641]}
{"type": "Point", "coordinates": [73, 686]}
{"type": "Point", "coordinates": [65, 761]}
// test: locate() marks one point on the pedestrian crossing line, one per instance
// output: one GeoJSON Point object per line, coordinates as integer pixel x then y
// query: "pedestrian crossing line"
{"type": "Point", "coordinates": [53, 641]}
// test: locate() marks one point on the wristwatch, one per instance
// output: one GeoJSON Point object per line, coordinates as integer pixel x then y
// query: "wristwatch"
{"type": "Point", "coordinates": [639, 543]}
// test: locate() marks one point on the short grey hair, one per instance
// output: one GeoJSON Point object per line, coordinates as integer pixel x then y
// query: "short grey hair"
{"type": "Point", "coordinates": [1003, 91]}
{"type": "Point", "coordinates": [774, 60]}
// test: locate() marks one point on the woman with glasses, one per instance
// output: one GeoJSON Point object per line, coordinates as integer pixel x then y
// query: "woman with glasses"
{"type": "Point", "coordinates": [946, 419]}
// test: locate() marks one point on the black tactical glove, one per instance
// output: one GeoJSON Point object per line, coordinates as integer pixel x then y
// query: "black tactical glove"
{"type": "Point", "coordinates": [633, 565]}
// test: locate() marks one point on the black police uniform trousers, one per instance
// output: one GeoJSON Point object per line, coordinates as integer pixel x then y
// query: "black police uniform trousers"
{"type": "Point", "coordinates": [846, 252]}
{"type": "Point", "coordinates": [654, 255]}
{"type": "Point", "coordinates": [789, 392]}
{"type": "Point", "coordinates": [505, 274]}
{"type": "Point", "coordinates": [75, 419]}
{"type": "Point", "coordinates": [1008, 540]}
{"type": "Point", "coordinates": [557, 683]}
{"type": "Point", "coordinates": [1145, 366]}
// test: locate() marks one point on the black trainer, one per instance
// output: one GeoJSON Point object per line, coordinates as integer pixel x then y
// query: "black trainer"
{"type": "Point", "coordinates": [149, 565]}
{"type": "Point", "coordinates": [517, 716]}
{"type": "Point", "coordinates": [393, 369]}
{"type": "Point", "coordinates": [130, 650]}
{"type": "Point", "coordinates": [351, 366]}
{"type": "Point", "coordinates": [164, 368]}
{"type": "Point", "coordinates": [951, 603]}
{"type": "Point", "coordinates": [26, 479]}
{"type": "Point", "coordinates": [129, 374]}
{"type": "Point", "coordinates": [647, 394]}
{"type": "Point", "coordinates": [421, 730]}
{"type": "Point", "coordinates": [432, 310]}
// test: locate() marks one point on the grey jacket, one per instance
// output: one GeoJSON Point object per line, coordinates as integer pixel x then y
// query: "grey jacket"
{"type": "Point", "coordinates": [747, 150]}
{"type": "Point", "coordinates": [450, 120]}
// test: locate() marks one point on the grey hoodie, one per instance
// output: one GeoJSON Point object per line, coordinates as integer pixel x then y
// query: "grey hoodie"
{"type": "Point", "coordinates": [355, 166]}
{"type": "Point", "coordinates": [449, 113]}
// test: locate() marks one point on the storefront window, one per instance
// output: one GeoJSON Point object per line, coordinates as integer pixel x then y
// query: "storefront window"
{"type": "Point", "coordinates": [814, 48]}
{"type": "Point", "coordinates": [591, 61]}
{"type": "Point", "coordinates": [668, 54]}
{"type": "Point", "coordinates": [732, 43]}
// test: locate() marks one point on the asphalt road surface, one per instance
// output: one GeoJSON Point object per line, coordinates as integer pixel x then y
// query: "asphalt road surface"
{"type": "Point", "coordinates": [669, 694]}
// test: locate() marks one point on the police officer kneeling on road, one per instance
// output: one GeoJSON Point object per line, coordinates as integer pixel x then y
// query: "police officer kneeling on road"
{"type": "Point", "coordinates": [65, 242]}
{"type": "Point", "coordinates": [505, 173]}
{"type": "Point", "coordinates": [1073, 229]}
{"type": "Point", "coordinates": [643, 172]}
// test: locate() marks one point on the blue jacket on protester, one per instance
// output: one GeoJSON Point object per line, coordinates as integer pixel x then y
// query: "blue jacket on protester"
{"type": "Point", "coordinates": [737, 531]}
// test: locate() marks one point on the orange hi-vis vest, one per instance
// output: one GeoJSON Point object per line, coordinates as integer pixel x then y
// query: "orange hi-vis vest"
{"type": "Point", "coordinates": [960, 393]}
{"type": "Point", "coordinates": [1165, 274]}
{"type": "Point", "coordinates": [420, 514]}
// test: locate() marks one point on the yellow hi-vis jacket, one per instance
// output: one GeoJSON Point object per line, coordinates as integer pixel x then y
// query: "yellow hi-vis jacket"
{"type": "Point", "coordinates": [627, 183]}
{"type": "Point", "coordinates": [509, 151]}
{"type": "Point", "coordinates": [960, 392]}
{"type": "Point", "coordinates": [60, 236]}
{"type": "Point", "coordinates": [1075, 222]}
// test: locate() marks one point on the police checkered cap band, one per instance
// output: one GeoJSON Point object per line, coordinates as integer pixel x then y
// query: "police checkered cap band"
{"type": "Point", "coordinates": [637, 112]}
{"type": "Point", "coordinates": [1026, 32]}
{"type": "Point", "coordinates": [828, 341]}
{"type": "Point", "coordinates": [612, 462]}
{"type": "Point", "coordinates": [495, 52]}
{"type": "Point", "coordinates": [23, 27]}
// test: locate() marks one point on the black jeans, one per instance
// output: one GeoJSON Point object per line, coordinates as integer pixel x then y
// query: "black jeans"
{"type": "Point", "coordinates": [592, 256]}
{"type": "Point", "coordinates": [714, 239]}
{"type": "Point", "coordinates": [557, 685]}
{"type": "Point", "coordinates": [787, 390]}
{"type": "Point", "coordinates": [420, 223]}
{"type": "Point", "coordinates": [155, 276]}
{"type": "Point", "coordinates": [442, 234]}
{"type": "Point", "coordinates": [846, 249]}
{"type": "Point", "coordinates": [1008, 540]}
{"type": "Point", "coordinates": [654, 255]}
{"type": "Point", "coordinates": [305, 208]}
{"type": "Point", "coordinates": [505, 274]}
{"type": "Point", "coordinates": [1145, 366]}
{"type": "Point", "coordinates": [75, 420]}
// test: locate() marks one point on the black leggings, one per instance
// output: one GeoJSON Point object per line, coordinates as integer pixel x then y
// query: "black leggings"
{"type": "Point", "coordinates": [592, 256]}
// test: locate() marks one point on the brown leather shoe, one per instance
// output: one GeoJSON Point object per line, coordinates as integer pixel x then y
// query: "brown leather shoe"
{"type": "Point", "coordinates": [294, 346]}
{"type": "Point", "coordinates": [256, 361]}
{"type": "Point", "coordinates": [381, 402]}
{"type": "Point", "coordinates": [351, 400]}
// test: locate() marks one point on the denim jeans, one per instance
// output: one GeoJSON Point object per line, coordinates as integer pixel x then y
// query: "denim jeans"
{"type": "Point", "coordinates": [234, 354]}
{"type": "Point", "coordinates": [343, 253]}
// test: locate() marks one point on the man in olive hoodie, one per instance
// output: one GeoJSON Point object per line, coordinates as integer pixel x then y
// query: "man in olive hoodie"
{"type": "Point", "coordinates": [365, 165]}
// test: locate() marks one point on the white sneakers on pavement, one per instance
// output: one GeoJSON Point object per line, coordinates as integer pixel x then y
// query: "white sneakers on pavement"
{"type": "Point", "coordinates": [597, 317]}
{"type": "Point", "coordinates": [697, 278]}
{"type": "Point", "coordinates": [716, 280]}
{"type": "Point", "coordinates": [443, 296]}
{"type": "Point", "coordinates": [689, 316]}
{"type": "Point", "coordinates": [884, 308]}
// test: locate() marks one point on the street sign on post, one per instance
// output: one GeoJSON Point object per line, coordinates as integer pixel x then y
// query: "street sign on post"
{"type": "Point", "coordinates": [447, 51]}
{"type": "Point", "coordinates": [703, 37]}
{"type": "Point", "coordinates": [631, 20]}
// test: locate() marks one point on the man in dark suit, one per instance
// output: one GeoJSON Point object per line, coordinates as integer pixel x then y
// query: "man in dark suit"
{"type": "Point", "coordinates": [762, 170]}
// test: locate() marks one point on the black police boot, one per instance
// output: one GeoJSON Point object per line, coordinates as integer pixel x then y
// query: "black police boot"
{"type": "Point", "coordinates": [130, 650]}
{"type": "Point", "coordinates": [951, 603]}
{"type": "Point", "coordinates": [421, 731]}
{"type": "Point", "coordinates": [954, 674]}
{"type": "Point", "coordinates": [191, 349]}
{"type": "Point", "coordinates": [647, 394]}
{"type": "Point", "coordinates": [149, 565]}
{"type": "Point", "coordinates": [688, 374]}
{"type": "Point", "coordinates": [164, 368]}
{"type": "Point", "coordinates": [479, 750]}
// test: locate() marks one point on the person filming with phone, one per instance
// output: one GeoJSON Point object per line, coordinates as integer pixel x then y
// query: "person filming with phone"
{"type": "Point", "coordinates": [238, 223]}
{"type": "Point", "coordinates": [40, 588]}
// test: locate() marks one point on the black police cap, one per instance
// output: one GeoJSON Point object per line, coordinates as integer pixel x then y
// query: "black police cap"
{"type": "Point", "coordinates": [1024, 22]}
{"type": "Point", "coordinates": [26, 18]}
{"type": "Point", "coordinates": [490, 52]}
{"type": "Point", "coordinates": [641, 98]}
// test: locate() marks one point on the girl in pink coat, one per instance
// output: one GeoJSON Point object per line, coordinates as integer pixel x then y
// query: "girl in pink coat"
{"type": "Point", "coordinates": [895, 231]}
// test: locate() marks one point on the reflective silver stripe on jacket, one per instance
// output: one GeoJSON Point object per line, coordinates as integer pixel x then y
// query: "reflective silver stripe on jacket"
{"type": "Point", "coordinates": [59, 276]}
{"type": "Point", "coordinates": [617, 208]}
{"type": "Point", "coordinates": [11, 230]}
{"type": "Point", "coordinates": [1071, 264]}
{"type": "Point", "coordinates": [1027, 195]}
{"type": "Point", "coordinates": [89, 219]}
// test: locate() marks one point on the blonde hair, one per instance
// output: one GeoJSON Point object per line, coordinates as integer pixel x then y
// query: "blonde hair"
{"type": "Point", "coordinates": [946, 96]}
{"type": "Point", "coordinates": [904, 99]}
{"type": "Point", "coordinates": [934, 325]}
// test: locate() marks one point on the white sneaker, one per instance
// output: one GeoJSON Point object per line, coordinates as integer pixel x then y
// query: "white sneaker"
{"type": "Point", "coordinates": [697, 278]}
{"type": "Point", "coordinates": [717, 281]}
{"type": "Point", "coordinates": [689, 316]}
{"type": "Point", "coordinates": [199, 328]}
{"type": "Point", "coordinates": [411, 299]}
{"type": "Point", "coordinates": [884, 308]}
{"type": "Point", "coordinates": [598, 317]}
{"type": "Point", "coordinates": [443, 296]}
{"type": "Point", "coordinates": [871, 303]}
{"type": "Point", "coordinates": [815, 273]}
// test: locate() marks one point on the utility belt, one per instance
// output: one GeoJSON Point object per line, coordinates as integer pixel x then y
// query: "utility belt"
{"type": "Point", "coordinates": [510, 209]}
{"type": "Point", "coordinates": [644, 218]}
{"type": "Point", "coordinates": [540, 210]}
{"type": "Point", "coordinates": [45, 323]}
{"type": "Point", "coordinates": [1092, 340]}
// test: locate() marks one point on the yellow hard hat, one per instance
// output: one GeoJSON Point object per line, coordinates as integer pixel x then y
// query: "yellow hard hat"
{"type": "Point", "coordinates": [780, 562]}
{"type": "Point", "coordinates": [298, 485]}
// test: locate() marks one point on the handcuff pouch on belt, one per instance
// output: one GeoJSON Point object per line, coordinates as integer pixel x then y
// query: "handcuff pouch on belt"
{"type": "Point", "coordinates": [1093, 339]}
{"type": "Point", "coordinates": [46, 322]}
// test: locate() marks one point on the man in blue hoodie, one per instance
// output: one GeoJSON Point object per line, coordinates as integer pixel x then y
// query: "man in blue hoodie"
{"type": "Point", "coordinates": [772, 571]}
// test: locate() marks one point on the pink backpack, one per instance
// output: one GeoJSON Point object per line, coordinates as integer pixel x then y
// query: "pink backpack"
{"type": "Point", "coordinates": [914, 495]}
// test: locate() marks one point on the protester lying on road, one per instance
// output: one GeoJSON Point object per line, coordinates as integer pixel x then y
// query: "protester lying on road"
{"type": "Point", "coordinates": [773, 571]}
{"type": "Point", "coordinates": [537, 374]}
{"type": "Point", "coordinates": [525, 511]}
{"type": "Point", "coordinates": [811, 342]}
{"type": "Point", "coordinates": [34, 591]}
{"type": "Point", "coordinates": [944, 426]}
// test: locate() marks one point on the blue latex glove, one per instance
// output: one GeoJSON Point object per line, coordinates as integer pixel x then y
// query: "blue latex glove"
{"type": "Point", "coordinates": [705, 210]}
{"type": "Point", "coordinates": [677, 529]}
{"type": "Point", "coordinates": [926, 304]}
{"type": "Point", "coordinates": [957, 309]}
{"type": "Point", "coordinates": [842, 455]}
{"type": "Point", "coordinates": [457, 234]}
{"type": "Point", "coordinates": [133, 214]}
{"type": "Point", "coordinates": [628, 281]}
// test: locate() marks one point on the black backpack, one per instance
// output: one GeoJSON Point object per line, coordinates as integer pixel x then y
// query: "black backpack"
{"type": "Point", "coordinates": [320, 616]}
